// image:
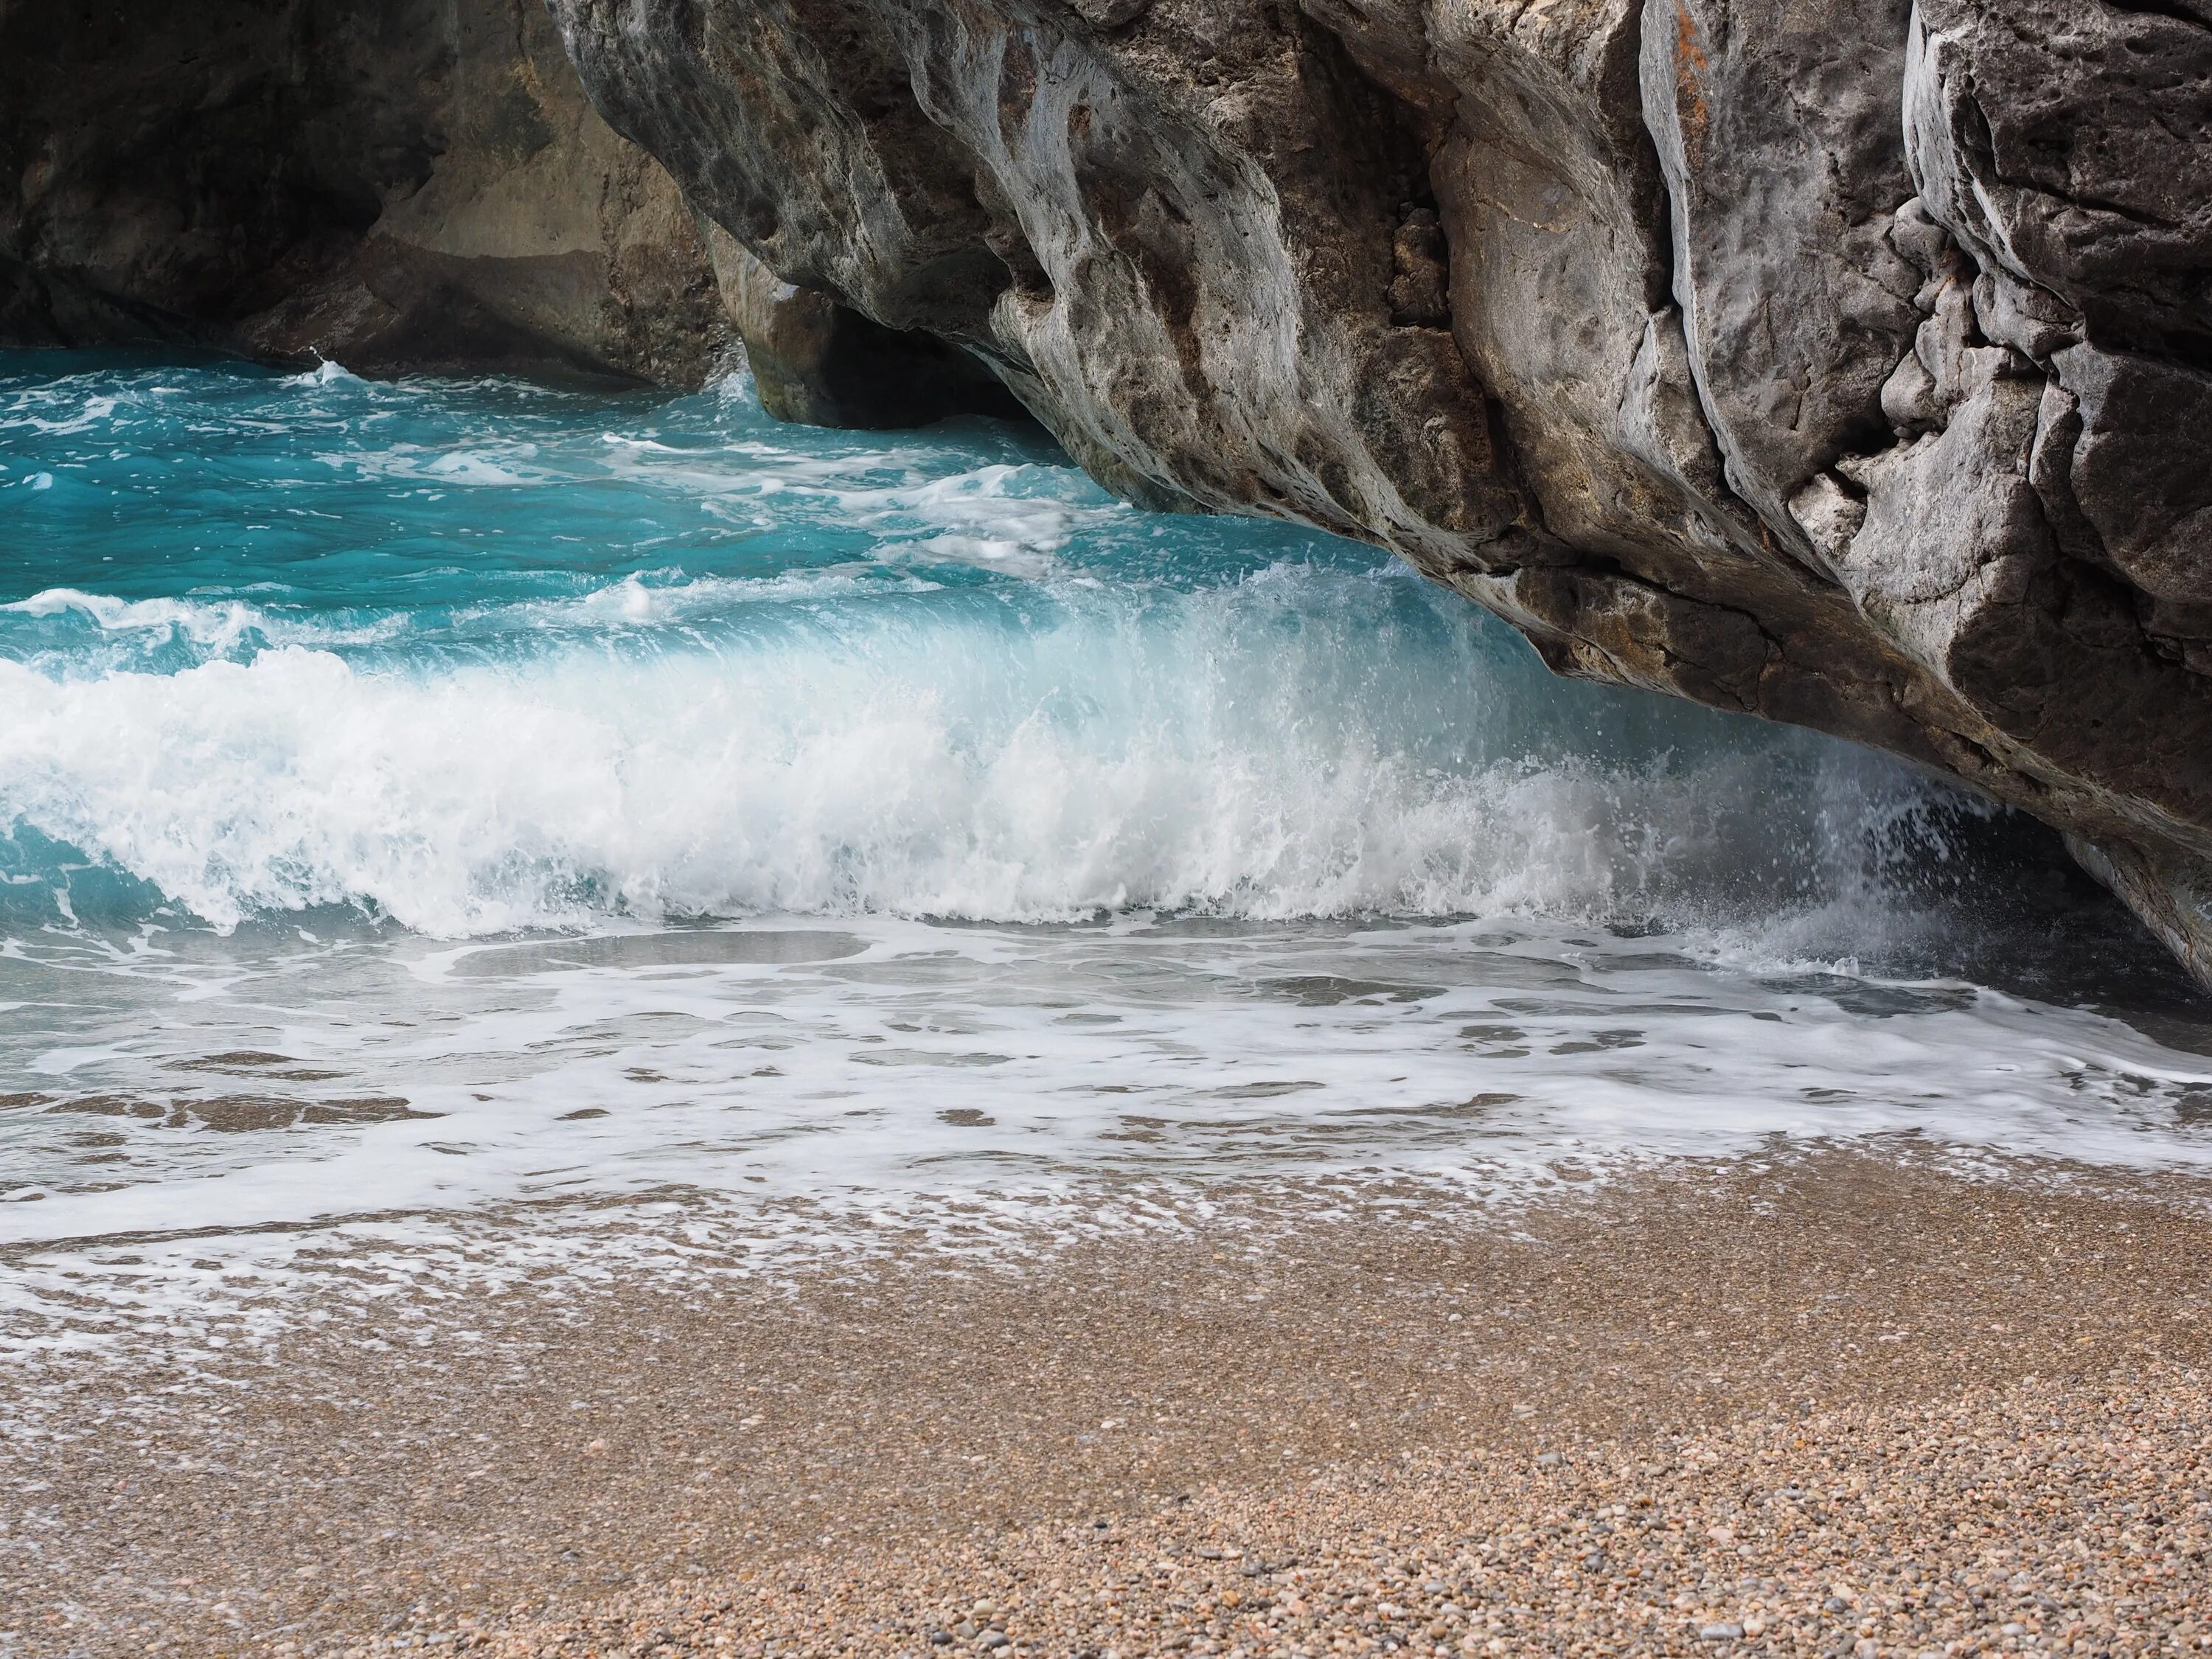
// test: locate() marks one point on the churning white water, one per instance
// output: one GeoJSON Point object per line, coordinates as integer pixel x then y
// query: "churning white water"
{"type": "Point", "coordinates": [433, 796]}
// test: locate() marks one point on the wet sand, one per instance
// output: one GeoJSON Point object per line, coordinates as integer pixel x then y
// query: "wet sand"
{"type": "Point", "coordinates": [1843, 1403]}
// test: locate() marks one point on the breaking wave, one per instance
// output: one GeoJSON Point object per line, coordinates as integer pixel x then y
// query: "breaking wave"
{"type": "Point", "coordinates": [697, 665]}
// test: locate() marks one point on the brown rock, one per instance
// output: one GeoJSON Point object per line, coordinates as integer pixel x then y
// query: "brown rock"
{"type": "Point", "coordinates": [400, 186]}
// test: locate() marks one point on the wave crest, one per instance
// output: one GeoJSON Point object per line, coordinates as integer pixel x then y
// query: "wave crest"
{"type": "Point", "coordinates": [1302, 743]}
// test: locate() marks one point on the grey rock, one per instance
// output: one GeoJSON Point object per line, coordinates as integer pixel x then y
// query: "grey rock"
{"type": "Point", "coordinates": [1778, 127]}
{"type": "Point", "coordinates": [1839, 362]}
{"type": "Point", "coordinates": [2069, 146]}
{"type": "Point", "coordinates": [2140, 471]}
{"type": "Point", "coordinates": [819, 363]}
{"type": "Point", "coordinates": [1421, 291]}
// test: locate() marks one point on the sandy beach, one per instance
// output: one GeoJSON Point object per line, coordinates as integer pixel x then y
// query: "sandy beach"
{"type": "Point", "coordinates": [1842, 1402]}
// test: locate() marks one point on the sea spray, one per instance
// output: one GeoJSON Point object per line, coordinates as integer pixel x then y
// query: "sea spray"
{"type": "Point", "coordinates": [1295, 744]}
{"type": "Point", "coordinates": [476, 658]}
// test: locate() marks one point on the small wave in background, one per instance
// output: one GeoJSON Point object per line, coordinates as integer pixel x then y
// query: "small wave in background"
{"type": "Point", "coordinates": [317, 695]}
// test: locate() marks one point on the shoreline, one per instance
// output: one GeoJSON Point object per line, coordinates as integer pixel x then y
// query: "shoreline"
{"type": "Point", "coordinates": [523, 1467]}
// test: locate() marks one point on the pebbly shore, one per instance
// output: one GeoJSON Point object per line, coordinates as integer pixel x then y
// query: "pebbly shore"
{"type": "Point", "coordinates": [1838, 1403]}
{"type": "Point", "coordinates": [2039, 1519]}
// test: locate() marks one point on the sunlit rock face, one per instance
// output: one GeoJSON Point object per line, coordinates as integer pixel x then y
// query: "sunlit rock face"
{"type": "Point", "coordinates": [1845, 362]}
{"type": "Point", "coordinates": [394, 185]}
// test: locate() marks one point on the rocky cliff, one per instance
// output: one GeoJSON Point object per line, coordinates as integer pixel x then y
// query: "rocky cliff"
{"type": "Point", "coordinates": [1844, 361]}
{"type": "Point", "coordinates": [397, 185]}
{"type": "Point", "coordinates": [392, 184]}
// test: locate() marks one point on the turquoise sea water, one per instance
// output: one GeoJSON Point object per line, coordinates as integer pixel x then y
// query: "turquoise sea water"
{"type": "Point", "coordinates": [477, 657]}
{"type": "Point", "coordinates": [436, 794]}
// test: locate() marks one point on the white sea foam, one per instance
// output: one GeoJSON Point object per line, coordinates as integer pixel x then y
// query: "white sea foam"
{"type": "Point", "coordinates": [1003, 517]}
{"type": "Point", "coordinates": [505, 465]}
{"type": "Point", "coordinates": [213, 627]}
{"type": "Point", "coordinates": [218, 625]}
{"type": "Point", "coordinates": [325, 373]}
{"type": "Point", "coordinates": [1218, 750]}
{"type": "Point", "coordinates": [1124, 854]}
{"type": "Point", "coordinates": [873, 1063]}
{"type": "Point", "coordinates": [661, 598]}
{"type": "Point", "coordinates": [61, 414]}
{"type": "Point", "coordinates": [1014, 518]}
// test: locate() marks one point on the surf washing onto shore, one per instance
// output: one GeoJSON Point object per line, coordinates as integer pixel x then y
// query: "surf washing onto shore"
{"type": "Point", "coordinates": [431, 796]}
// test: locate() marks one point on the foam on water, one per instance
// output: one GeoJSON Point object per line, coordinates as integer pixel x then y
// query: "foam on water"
{"type": "Point", "coordinates": [657, 751]}
{"type": "Point", "coordinates": [915, 817]}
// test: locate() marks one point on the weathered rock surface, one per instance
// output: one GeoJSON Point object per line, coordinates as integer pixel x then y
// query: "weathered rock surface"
{"type": "Point", "coordinates": [391, 184]}
{"type": "Point", "coordinates": [396, 185]}
{"type": "Point", "coordinates": [819, 363]}
{"type": "Point", "coordinates": [1845, 362]}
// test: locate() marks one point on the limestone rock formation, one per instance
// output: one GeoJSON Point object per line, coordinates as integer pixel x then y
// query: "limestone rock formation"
{"type": "Point", "coordinates": [397, 185]}
{"type": "Point", "coordinates": [392, 184]}
{"type": "Point", "coordinates": [1844, 361]}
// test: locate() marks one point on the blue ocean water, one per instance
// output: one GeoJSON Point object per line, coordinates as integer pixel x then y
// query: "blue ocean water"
{"type": "Point", "coordinates": [437, 792]}
{"type": "Point", "coordinates": [474, 657]}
